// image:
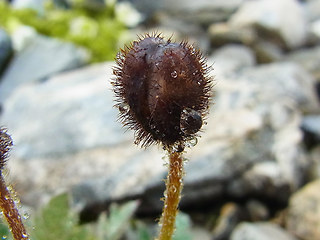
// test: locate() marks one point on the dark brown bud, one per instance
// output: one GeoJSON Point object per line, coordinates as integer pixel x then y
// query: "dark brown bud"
{"type": "Point", "coordinates": [5, 146]}
{"type": "Point", "coordinates": [162, 90]}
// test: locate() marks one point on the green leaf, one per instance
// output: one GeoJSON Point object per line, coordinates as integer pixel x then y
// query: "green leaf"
{"type": "Point", "coordinates": [183, 225]}
{"type": "Point", "coordinates": [55, 221]}
{"type": "Point", "coordinates": [143, 232]}
{"type": "Point", "coordinates": [4, 231]}
{"type": "Point", "coordinates": [112, 227]}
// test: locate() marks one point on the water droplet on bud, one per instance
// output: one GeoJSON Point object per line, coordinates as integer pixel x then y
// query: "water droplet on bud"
{"type": "Point", "coordinates": [174, 74]}
{"type": "Point", "coordinates": [193, 141]}
{"type": "Point", "coordinates": [190, 121]}
{"type": "Point", "coordinates": [123, 108]}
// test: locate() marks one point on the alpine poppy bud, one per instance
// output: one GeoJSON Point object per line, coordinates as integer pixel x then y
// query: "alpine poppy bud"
{"type": "Point", "coordinates": [162, 90]}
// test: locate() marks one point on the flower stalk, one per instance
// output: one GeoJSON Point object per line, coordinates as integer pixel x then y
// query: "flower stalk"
{"type": "Point", "coordinates": [174, 184]}
{"type": "Point", "coordinates": [7, 203]}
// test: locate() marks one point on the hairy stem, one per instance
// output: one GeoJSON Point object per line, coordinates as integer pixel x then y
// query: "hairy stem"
{"type": "Point", "coordinates": [10, 212]}
{"type": "Point", "coordinates": [172, 196]}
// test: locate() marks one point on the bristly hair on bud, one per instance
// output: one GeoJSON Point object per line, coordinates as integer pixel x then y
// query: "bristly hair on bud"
{"type": "Point", "coordinates": [5, 147]}
{"type": "Point", "coordinates": [162, 90]}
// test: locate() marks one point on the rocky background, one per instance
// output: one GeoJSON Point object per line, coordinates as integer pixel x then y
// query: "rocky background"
{"type": "Point", "coordinates": [255, 171]}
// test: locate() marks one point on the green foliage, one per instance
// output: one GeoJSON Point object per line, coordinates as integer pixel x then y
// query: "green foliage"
{"type": "Point", "coordinates": [98, 31]}
{"type": "Point", "coordinates": [4, 231]}
{"type": "Point", "coordinates": [112, 227]}
{"type": "Point", "coordinates": [183, 226]}
{"type": "Point", "coordinates": [57, 221]}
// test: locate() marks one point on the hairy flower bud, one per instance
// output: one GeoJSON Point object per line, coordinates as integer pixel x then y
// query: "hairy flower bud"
{"type": "Point", "coordinates": [162, 90]}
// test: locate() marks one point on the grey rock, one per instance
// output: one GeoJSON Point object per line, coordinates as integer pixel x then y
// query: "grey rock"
{"type": "Point", "coordinates": [282, 173]}
{"type": "Point", "coordinates": [38, 61]}
{"type": "Point", "coordinates": [314, 32]}
{"type": "Point", "coordinates": [311, 128]}
{"type": "Point", "coordinates": [303, 217]}
{"type": "Point", "coordinates": [68, 113]}
{"type": "Point", "coordinates": [65, 131]}
{"type": "Point", "coordinates": [203, 11]}
{"type": "Point", "coordinates": [146, 7]}
{"type": "Point", "coordinates": [251, 144]}
{"type": "Point", "coordinates": [180, 30]}
{"type": "Point", "coordinates": [257, 211]}
{"type": "Point", "coordinates": [22, 37]}
{"type": "Point", "coordinates": [201, 233]}
{"type": "Point", "coordinates": [230, 216]}
{"type": "Point", "coordinates": [309, 59]}
{"type": "Point", "coordinates": [224, 33]}
{"type": "Point", "coordinates": [265, 134]}
{"type": "Point", "coordinates": [261, 231]}
{"type": "Point", "coordinates": [134, 174]}
{"type": "Point", "coordinates": [268, 177]}
{"type": "Point", "coordinates": [6, 50]}
{"type": "Point", "coordinates": [267, 52]}
{"type": "Point", "coordinates": [287, 80]}
{"type": "Point", "coordinates": [232, 58]}
{"type": "Point", "coordinates": [312, 9]}
{"type": "Point", "coordinates": [273, 20]}
{"type": "Point", "coordinates": [312, 124]}
{"type": "Point", "coordinates": [315, 169]}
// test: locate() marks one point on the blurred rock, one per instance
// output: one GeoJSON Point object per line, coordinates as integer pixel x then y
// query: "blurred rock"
{"type": "Point", "coordinates": [311, 128]}
{"type": "Point", "coordinates": [315, 158]}
{"type": "Point", "coordinates": [146, 7]}
{"type": "Point", "coordinates": [65, 132]}
{"type": "Point", "coordinates": [261, 231]}
{"type": "Point", "coordinates": [68, 113]}
{"type": "Point", "coordinates": [267, 52]}
{"type": "Point", "coordinates": [127, 14]}
{"type": "Point", "coordinates": [273, 20]}
{"type": "Point", "coordinates": [180, 30]}
{"type": "Point", "coordinates": [128, 180]}
{"type": "Point", "coordinates": [38, 61]}
{"type": "Point", "coordinates": [285, 80]}
{"type": "Point", "coordinates": [268, 177]}
{"type": "Point", "coordinates": [231, 214]}
{"type": "Point", "coordinates": [201, 233]}
{"type": "Point", "coordinates": [202, 11]}
{"type": "Point", "coordinates": [264, 157]}
{"type": "Point", "coordinates": [314, 33]}
{"type": "Point", "coordinates": [257, 211]}
{"type": "Point", "coordinates": [223, 33]}
{"type": "Point", "coordinates": [231, 58]}
{"type": "Point", "coordinates": [251, 145]}
{"type": "Point", "coordinates": [312, 8]}
{"type": "Point", "coordinates": [6, 50]}
{"type": "Point", "coordinates": [22, 37]}
{"type": "Point", "coordinates": [308, 58]}
{"type": "Point", "coordinates": [303, 216]}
